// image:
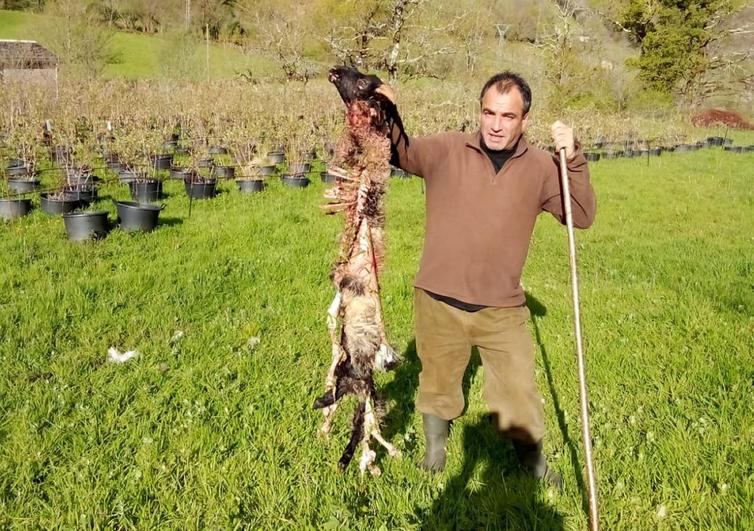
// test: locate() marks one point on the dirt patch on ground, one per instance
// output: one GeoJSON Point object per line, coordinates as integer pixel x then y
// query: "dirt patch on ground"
{"type": "Point", "coordinates": [710, 117]}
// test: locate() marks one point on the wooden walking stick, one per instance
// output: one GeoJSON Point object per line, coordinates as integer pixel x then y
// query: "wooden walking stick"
{"type": "Point", "coordinates": [594, 523]}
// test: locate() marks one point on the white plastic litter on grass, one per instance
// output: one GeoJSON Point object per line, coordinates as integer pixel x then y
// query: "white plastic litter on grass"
{"type": "Point", "coordinates": [114, 356]}
{"type": "Point", "coordinates": [253, 342]}
{"type": "Point", "coordinates": [178, 335]}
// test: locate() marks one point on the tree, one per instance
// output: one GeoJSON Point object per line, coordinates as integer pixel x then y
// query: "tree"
{"type": "Point", "coordinates": [674, 37]}
{"type": "Point", "coordinates": [75, 36]}
{"type": "Point", "coordinates": [282, 29]}
{"type": "Point", "coordinates": [402, 37]}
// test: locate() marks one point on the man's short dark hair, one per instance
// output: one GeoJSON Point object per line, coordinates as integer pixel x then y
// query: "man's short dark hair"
{"type": "Point", "coordinates": [503, 82]}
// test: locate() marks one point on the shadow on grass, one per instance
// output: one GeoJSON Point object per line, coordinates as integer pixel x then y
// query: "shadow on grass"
{"type": "Point", "coordinates": [401, 394]}
{"type": "Point", "coordinates": [401, 391]}
{"type": "Point", "coordinates": [502, 497]}
{"type": "Point", "coordinates": [497, 497]}
{"type": "Point", "coordinates": [538, 311]}
{"type": "Point", "coordinates": [169, 222]}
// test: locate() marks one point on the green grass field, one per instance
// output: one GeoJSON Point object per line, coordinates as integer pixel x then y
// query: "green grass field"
{"type": "Point", "coordinates": [209, 431]}
{"type": "Point", "coordinates": [140, 56]}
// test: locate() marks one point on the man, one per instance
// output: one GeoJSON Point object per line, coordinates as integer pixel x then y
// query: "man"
{"type": "Point", "coordinates": [484, 192]}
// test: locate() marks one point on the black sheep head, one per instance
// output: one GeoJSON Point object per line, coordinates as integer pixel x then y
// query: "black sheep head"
{"type": "Point", "coordinates": [353, 85]}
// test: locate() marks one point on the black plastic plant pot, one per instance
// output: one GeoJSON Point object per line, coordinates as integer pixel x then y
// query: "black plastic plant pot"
{"type": "Point", "coordinates": [84, 193]}
{"type": "Point", "coordinates": [727, 141]}
{"type": "Point", "coordinates": [655, 152]}
{"type": "Point", "coordinates": [630, 153]}
{"type": "Point", "coordinates": [224, 172]}
{"type": "Point", "coordinates": [16, 163]}
{"type": "Point", "coordinates": [182, 150]}
{"type": "Point", "coordinates": [138, 216]}
{"type": "Point", "coordinates": [145, 191]}
{"type": "Point", "coordinates": [398, 173]}
{"type": "Point", "coordinates": [328, 178]}
{"type": "Point", "coordinates": [250, 186]}
{"type": "Point", "coordinates": [592, 157]}
{"type": "Point", "coordinates": [82, 226]}
{"type": "Point", "coordinates": [16, 171]}
{"type": "Point", "coordinates": [299, 167]}
{"type": "Point", "coordinates": [734, 149]}
{"type": "Point", "coordinates": [170, 145]}
{"type": "Point", "coordinates": [715, 140]}
{"type": "Point", "coordinates": [682, 148]}
{"type": "Point", "coordinates": [115, 165]}
{"type": "Point", "coordinates": [179, 173]}
{"type": "Point", "coordinates": [162, 162]}
{"type": "Point", "coordinates": [267, 170]}
{"type": "Point", "coordinates": [613, 154]}
{"type": "Point", "coordinates": [276, 157]}
{"type": "Point", "coordinates": [22, 186]}
{"type": "Point", "coordinates": [56, 204]}
{"type": "Point", "coordinates": [14, 208]}
{"type": "Point", "coordinates": [205, 189]}
{"type": "Point", "coordinates": [296, 181]}
{"type": "Point", "coordinates": [217, 150]}
{"type": "Point", "coordinates": [749, 149]}
{"type": "Point", "coordinates": [126, 176]}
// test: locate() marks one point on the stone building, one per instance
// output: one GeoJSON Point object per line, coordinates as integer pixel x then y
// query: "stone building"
{"type": "Point", "coordinates": [27, 62]}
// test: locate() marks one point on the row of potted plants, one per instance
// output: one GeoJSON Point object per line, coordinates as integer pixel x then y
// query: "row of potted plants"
{"type": "Point", "coordinates": [80, 191]}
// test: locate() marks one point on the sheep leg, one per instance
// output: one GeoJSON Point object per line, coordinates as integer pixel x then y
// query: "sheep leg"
{"type": "Point", "coordinates": [367, 458]}
{"type": "Point", "coordinates": [372, 429]}
{"type": "Point", "coordinates": [337, 356]}
{"type": "Point", "coordinates": [332, 326]}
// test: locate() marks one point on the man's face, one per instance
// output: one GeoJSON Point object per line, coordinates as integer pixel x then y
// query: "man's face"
{"type": "Point", "coordinates": [502, 120]}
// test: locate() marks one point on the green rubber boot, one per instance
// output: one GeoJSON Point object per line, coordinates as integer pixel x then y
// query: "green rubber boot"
{"type": "Point", "coordinates": [533, 461]}
{"type": "Point", "coordinates": [436, 437]}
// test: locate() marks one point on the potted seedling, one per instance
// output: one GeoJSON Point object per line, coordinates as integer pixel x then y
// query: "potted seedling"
{"type": "Point", "coordinates": [147, 187]}
{"type": "Point", "coordinates": [12, 207]}
{"type": "Point", "coordinates": [76, 188]}
{"type": "Point", "coordinates": [244, 147]}
{"type": "Point", "coordinates": [329, 175]}
{"type": "Point", "coordinates": [22, 178]}
{"type": "Point", "coordinates": [197, 185]}
{"type": "Point", "coordinates": [77, 177]}
{"type": "Point", "coordinates": [138, 216]}
{"type": "Point", "coordinates": [299, 149]}
{"type": "Point", "coordinates": [80, 225]}
{"type": "Point", "coordinates": [135, 148]}
{"type": "Point", "coordinates": [327, 127]}
{"type": "Point", "coordinates": [223, 167]}
{"type": "Point", "coordinates": [178, 171]}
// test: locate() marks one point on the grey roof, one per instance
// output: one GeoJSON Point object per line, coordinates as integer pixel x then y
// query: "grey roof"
{"type": "Point", "coordinates": [25, 55]}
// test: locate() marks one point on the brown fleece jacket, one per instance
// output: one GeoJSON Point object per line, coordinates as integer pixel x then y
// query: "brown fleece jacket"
{"type": "Point", "coordinates": [479, 223]}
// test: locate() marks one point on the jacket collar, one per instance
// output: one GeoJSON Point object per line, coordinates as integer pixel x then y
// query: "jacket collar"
{"type": "Point", "coordinates": [474, 141]}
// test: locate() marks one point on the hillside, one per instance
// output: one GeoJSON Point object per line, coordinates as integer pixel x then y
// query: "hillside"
{"type": "Point", "coordinates": [140, 56]}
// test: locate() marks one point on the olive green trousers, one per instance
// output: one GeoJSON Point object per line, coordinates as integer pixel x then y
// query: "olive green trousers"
{"type": "Point", "coordinates": [444, 338]}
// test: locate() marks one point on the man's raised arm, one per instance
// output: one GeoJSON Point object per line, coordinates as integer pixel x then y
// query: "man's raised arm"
{"type": "Point", "coordinates": [583, 202]}
{"type": "Point", "coordinates": [414, 155]}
